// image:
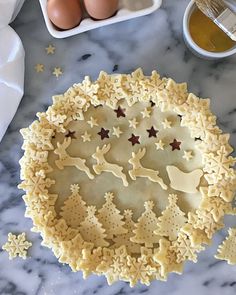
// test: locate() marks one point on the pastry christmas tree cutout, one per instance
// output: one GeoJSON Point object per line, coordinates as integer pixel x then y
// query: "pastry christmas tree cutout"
{"type": "Point", "coordinates": [74, 208]}
{"type": "Point", "coordinates": [111, 218]}
{"type": "Point", "coordinates": [135, 136]}
{"type": "Point", "coordinates": [145, 226]}
{"type": "Point", "coordinates": [182, 181]}
{"type": "Point", "coordinates": [171, 221]}
{"type": "Point", "coordinates": [92, 230]}
{"type": "Point", "coordinates": [227, 250]}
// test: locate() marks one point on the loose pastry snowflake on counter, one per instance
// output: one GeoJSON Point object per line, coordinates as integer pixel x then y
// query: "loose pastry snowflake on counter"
{"type": "Point", "coordinates": [127, 176]}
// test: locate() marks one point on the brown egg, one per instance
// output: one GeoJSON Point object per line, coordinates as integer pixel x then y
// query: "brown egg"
{"type": "Point", "coordinates": [101, 9]}
{"type": "Point", "coordinates": [64, 14]}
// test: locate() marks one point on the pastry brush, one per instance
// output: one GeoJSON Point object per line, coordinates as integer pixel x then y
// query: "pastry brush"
{"type": "Point", "coordinates": [221, 14]}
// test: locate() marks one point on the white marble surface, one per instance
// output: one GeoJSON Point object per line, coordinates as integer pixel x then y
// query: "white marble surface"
{"type": "Point", "coordinates": [152, 42]}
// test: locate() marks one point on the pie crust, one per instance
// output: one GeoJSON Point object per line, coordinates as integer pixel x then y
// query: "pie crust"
{"type": "Point", "coordinates": [150, 174]}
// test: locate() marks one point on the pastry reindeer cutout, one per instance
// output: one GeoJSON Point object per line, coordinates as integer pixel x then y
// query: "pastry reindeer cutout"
{"type": "Point", "coordinates": [66, 160]}
{"type": "Point", "coordinates": [184, 182]}
{"type": "Point", "coordinates": [139, 171]}
{"type": "Point", "coordinates": [103, 166]}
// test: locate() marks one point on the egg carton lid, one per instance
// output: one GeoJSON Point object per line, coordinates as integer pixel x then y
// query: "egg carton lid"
{"type": "Point", "coordinates": [128, 9]}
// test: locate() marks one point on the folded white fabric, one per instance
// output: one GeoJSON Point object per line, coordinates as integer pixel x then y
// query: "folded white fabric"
{"type": "Point", "coordinates": [11, 64]}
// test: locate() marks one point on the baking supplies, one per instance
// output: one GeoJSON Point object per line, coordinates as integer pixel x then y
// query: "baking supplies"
{"type": "Point", "coordinates": [127, 9]}
{"type": "Point", "coordinates": [193, 46]}
{"type": "Point", "coordinates": [221, 14]}
{"type": "Point", "coordinates": [101, 9]}
{"type": "Point", "coordinates": [64, 14]}
{"type": "Point", "coordinates": [207, 34]}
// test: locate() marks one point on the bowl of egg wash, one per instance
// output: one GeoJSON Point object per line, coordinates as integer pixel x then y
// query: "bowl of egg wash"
{"type": "Point", "coordinates": [203, 37]}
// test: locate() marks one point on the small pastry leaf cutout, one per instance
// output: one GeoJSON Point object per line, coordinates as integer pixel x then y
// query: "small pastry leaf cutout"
{"type": "Point", "coordinates": [91, 229]}
{"type": "Point", "coordinates": [139, 171]}
{"type": "Point", "coordinates": [171, 221]}
{"type": "Point", "coordinates": [16, 246]}
{"type": "Point", "coordinates": [134, 139]}
{"type": "Point", "coordinates": [74, 208]}
{"type": "Point", "coordinates": [104, 133]}
{"type": "Point", "coordinates": [104, 166]}
{"type": "Point", "coordinates": [111, 218]}
{"type": "Point", "coordinates": [184, 182]}
{"type": "Point", "coordinates": [175, 145]}
{"type": "Point", "coordinates": [120, 112]}
{"type": "Point", "coordinates": [145, 227]}
{"type": "Point", "coordinates": [152, 132]}
{"type": "Point", "coordinates": [124, 239]}
{"type": "Point", "coordinates": [66, 160]}
{"type": "Point", "coordinates": [227, 250]}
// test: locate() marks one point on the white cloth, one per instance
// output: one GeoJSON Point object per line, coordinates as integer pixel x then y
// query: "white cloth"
{"type": "Point", "coordinates": [11, 64]}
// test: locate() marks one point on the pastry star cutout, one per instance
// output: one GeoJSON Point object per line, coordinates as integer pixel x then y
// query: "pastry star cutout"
{"type": "Point", "coordinates": [71, 134]}
{"type": "Point", "coordinates": [133, 123]}
{"type": "Point", "coordinates": [160, 145]}
{"type": "Point", "coordinates": [117, 132]}
{"type": "Point", "coordinates": [175, 145]}
{"type": "Point", "coordinates": [152, 132]}
{"type": "Point", "coordinates": [50, 49]}
{"type": "Point", "coordinates": [39, 68]}
{"type": "Point", "coordinates": [120, 112]}
{"type": "Point", "coordinates": [166, 124]}
{"type": "Point", "coordinates": [104, 133]}
{"type": "Point", "coordinates": [188, 155]}
{"type": "Point", "coordinates": [134, 139]}
{"type": "Point", "coordinates": [146, 113]}
{"type": "Point", "coordinates": [92, 122]}
{"type": "Point", "coordinates": [86, 136]}
{"type": "Point", "coordinates": [57, 71]}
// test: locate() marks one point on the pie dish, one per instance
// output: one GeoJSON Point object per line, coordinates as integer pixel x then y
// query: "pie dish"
{"type": "Point", "coordinates": [127, 176]}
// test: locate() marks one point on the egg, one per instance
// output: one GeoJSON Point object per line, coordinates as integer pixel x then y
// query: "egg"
{"type": "Point", "coordinates": [64, 14]}
{"type": "Point", "coordinates": [101, 9]}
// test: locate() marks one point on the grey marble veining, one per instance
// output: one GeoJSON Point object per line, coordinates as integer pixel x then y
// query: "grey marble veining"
{"type": "Point", "coordinates": [151, 42]}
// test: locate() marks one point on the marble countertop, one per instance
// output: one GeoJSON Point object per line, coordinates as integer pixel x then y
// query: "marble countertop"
{"type": "Point", "coordinates": [150, 42]}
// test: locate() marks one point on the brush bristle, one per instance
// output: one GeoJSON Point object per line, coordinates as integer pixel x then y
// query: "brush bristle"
{"type": "Point", "coordinates": [211, 8]}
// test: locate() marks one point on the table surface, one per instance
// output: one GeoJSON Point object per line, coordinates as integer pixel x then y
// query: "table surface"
{"type": "Point", "coordinates": [150, 42]}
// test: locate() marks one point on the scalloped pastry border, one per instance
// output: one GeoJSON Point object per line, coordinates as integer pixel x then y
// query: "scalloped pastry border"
{"type": "Point", "coordinates": [117, 264]}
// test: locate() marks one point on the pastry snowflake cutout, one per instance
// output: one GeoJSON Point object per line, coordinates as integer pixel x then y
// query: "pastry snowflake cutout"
{"type": "Point", "coordinates": [130, 128]}
{"type": "Point", "coordinates": [17, 246]}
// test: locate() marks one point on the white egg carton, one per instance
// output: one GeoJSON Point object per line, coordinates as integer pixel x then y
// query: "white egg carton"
{"type": "Point", "coordinates": [128, 9]}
